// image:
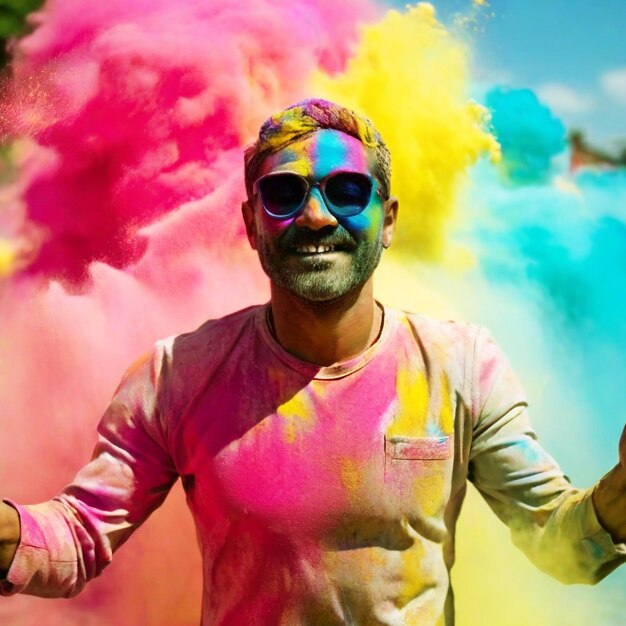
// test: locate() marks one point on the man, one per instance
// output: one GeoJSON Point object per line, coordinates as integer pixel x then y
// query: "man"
{"type": "Point", "coordinates": [323, 440]}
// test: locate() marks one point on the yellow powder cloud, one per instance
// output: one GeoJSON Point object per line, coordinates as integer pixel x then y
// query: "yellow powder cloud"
{"type": "Point", "coordinates": [410, 76]}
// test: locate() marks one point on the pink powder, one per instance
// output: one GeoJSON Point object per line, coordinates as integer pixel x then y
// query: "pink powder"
{"type": "Point", "coordinates": [146, 104]}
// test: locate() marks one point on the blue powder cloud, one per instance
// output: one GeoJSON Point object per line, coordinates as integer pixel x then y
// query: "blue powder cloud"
{"type": "Point", "coordinates": [553, 242]}
{"type": "Point", "coordinates": [530, 136]}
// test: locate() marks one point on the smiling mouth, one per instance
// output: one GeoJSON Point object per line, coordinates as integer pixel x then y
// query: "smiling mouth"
{"type": "Point", "coordinates": [315, 249]}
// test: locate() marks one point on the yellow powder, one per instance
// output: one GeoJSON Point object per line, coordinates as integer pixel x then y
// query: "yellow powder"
{"type": "Point", "coordinates": [446, 416]}
{"type": "Point", "coordinates": [412, 404]}
{"type": "Point", "coordinates": [410, 76]}
{"type": "Point", "coordinates": [351, 475]}
{"type": "Point", "coordinates": [296, 415]}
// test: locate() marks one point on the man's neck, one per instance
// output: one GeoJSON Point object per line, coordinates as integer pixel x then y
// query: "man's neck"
{"type": "Point", "coordinates": [326, 332]}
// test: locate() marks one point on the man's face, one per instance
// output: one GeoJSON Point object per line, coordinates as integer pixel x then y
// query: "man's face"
{"type": "Point", "coordinates": [285, 245]}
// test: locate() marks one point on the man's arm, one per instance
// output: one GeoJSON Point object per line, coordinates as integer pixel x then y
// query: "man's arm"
{"type": "Point", "coordinates": [9, 536]}
{"type": "Point", "coordinates": [556, 525]}
{"type": "Point", "coordinates": [69, 540]}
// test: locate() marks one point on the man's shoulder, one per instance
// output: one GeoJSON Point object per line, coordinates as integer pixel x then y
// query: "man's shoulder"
{"type": "Point", "coordinates": [432, 330]}
{"type": "Point", "coordinates": [214, 336]}
{"type": "Point", "coordinates": [447, 347]}
{"type": "Point", "coordinates": [227, 324]}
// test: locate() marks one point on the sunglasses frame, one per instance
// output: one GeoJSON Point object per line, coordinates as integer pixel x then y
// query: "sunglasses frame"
{"type": "Point", "coordinates": [321, 185]}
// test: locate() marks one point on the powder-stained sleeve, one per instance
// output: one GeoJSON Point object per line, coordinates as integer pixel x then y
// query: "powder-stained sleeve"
{"type": "Point", "coordinates": [552, 522]}
{"type": "Point", "coordinates": [69, 540]}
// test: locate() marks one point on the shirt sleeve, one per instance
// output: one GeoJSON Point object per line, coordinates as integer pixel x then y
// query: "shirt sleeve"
{"type": "Point", "coordinates": [552, 522]}
{"type": "Point", "coordinates": [69, 540]}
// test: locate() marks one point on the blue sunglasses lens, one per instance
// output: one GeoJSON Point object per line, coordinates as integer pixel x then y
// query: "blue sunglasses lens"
{"type": "Point", "coordinates": [348, 193]}
{"type": "Point", "coordinates": [345, 193]}
{"type": "Point", "coordinates": [282, 194]}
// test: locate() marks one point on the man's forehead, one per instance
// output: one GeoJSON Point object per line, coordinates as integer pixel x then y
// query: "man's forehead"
{"type": "Point", "coordinates": [319, 154]}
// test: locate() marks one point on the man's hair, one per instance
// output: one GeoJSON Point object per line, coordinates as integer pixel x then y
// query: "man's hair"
{"type": "Point", "coordinates": [303, 119]}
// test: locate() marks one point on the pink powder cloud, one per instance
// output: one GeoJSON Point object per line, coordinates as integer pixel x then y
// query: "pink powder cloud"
{"type": "Point", "coordinates": [144, 105]}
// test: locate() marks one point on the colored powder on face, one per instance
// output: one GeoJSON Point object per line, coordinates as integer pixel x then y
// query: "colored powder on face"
{"type": "Point", "coordinates": [409, 75]}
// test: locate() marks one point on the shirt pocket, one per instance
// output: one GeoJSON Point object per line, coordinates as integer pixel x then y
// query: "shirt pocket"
{"type": "Point", "coordinates": [418, 448]}
{"type": "Point", "coordinates": [418, 473]}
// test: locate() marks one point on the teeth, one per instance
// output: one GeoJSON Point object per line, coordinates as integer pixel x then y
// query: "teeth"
{"type": "Point", "coordinates": [315, 249]}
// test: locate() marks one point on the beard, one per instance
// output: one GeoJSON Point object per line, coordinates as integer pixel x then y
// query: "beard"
{"type": "Point", "coordinates": [320, 277]}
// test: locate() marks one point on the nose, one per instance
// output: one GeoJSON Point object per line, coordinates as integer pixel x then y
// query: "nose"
{"type": "Point", "coordinates": [315, 214]}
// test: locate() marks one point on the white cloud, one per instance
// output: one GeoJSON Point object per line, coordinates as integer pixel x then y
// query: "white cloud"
{"type": "Point", "coordinates": [563, 99]}
{"type": "Point", "coordinates": [614, 84]}
{"type": "Point", "coordinates": [492, 76]}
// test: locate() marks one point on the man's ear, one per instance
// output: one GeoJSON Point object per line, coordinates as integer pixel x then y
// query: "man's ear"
{"type": "Point", "coordinates": [390, 216]}
{"type": "Point", "coordinates": [248, 220]}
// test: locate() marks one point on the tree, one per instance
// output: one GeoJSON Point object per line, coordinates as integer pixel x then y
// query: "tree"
{"type": "Point", "coordinates": [13, 23]}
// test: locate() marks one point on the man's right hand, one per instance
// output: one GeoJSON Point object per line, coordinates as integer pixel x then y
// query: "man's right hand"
{"type": "Point", "coordinates": [9, 536]}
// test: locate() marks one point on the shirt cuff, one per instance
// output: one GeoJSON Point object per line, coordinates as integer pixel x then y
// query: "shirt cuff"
{"type": "Point", "coordinates": [598, 540]}
{"type": "Point", "coordinates": [30, 556]}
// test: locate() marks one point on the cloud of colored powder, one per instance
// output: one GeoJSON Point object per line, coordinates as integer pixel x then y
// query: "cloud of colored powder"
{"type": "Point", "coordinates": [410, 76]}
{"type": "Point", "coordinates": [140, 109]}
{"type": "Point", "coordinates": [560, 239]}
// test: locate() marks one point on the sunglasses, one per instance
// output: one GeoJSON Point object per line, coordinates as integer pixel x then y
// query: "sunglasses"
{"type": "Point", "coordinates": [284, 194]}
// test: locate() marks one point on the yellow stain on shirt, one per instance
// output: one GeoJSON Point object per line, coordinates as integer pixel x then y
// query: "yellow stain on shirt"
{"type": "Point", "coordinates": [428, 489]}
{"type": "Point", "coordinates": [413, 581]}
{"type": "Point", "coordinates": [296, 415]}
{"type": "Point", "coordinates": [410, 76]}
{"type": "Point", "coordinates": [446, 415]}
{"type": "Point", "coordinates": [413, 393]}
{"type": "Point", "coordinates": [351, 476]}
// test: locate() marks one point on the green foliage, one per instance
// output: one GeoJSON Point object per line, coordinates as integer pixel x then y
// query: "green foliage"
{"type": "Point", "coordinates": [13, 22]}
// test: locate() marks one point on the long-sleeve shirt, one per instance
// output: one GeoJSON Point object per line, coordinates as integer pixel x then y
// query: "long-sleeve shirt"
{"type": "Point", "coordinates": [321, 495]}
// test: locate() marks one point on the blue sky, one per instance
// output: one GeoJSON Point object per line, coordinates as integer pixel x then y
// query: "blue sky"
{"type": "Point", "coordinates": [572, 53]}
